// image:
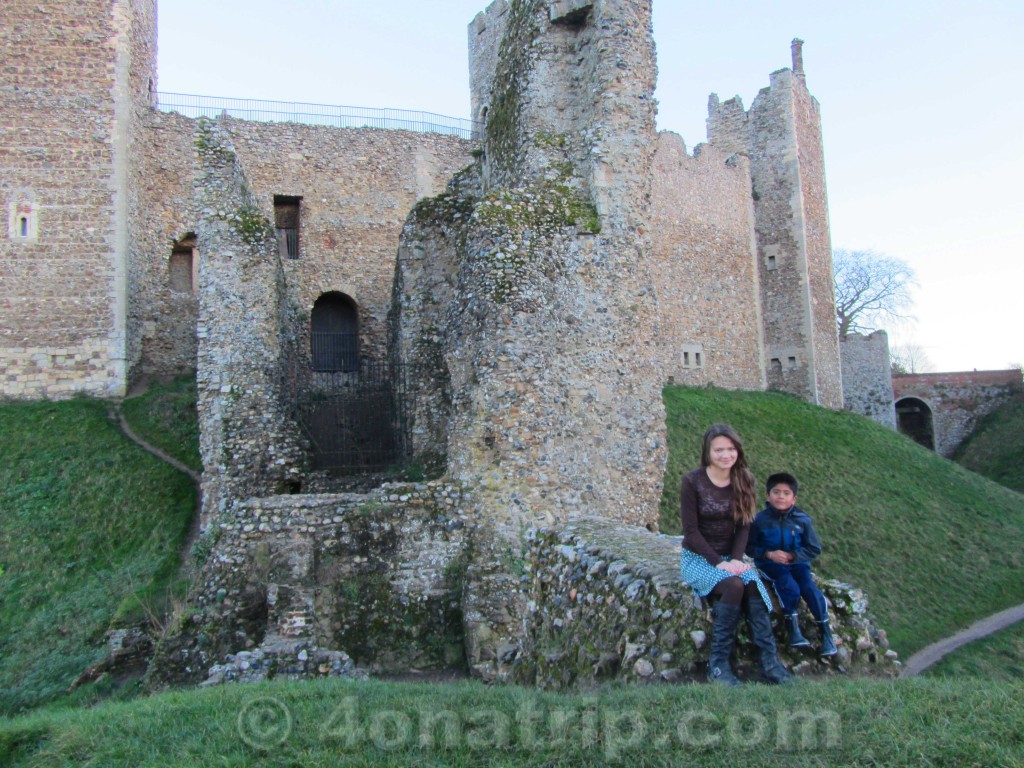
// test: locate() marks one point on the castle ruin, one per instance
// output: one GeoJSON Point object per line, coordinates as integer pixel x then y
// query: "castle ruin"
{"type": "Point", "coordinates": [526, 291]}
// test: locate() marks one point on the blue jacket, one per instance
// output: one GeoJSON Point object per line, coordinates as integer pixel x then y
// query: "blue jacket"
{"type": "Point", "coordinates": [791, 531]}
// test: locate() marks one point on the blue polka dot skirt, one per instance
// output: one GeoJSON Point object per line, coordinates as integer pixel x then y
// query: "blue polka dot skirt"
{"type": "Point", "coordinates": [702, 576]}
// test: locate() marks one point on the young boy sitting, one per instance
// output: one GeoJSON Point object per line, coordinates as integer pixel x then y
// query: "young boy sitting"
{"type": "Point", "coordinates": [783, 543]}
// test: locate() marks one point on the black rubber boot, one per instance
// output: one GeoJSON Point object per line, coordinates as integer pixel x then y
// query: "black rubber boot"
{"type": "Point", "coordinates": [723, 637]}
{"type": "Point", "coordinates": [760, 624]}
{"type": "Point", "coordinates": [828, 645]}
{"type": "Point", "coordinates": [796, 637]}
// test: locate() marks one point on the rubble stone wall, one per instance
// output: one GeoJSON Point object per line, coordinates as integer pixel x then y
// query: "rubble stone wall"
{"type": "Point", "coordinates": [377, 577]}
{"type": "Point", "coordinates": [607, 603]}
{"type": "Point", "coordinates": [867, 377]}
{"type": "Point", "coordinates": [248, 445]}
{"type": "Point", "coordinates": [163, 313]}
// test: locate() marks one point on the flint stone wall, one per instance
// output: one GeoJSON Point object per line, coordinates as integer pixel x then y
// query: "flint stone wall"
{"type": "Point", "coordinates": [867, 377]}
{"type": "Point", "coordinates": [607, 603]}
{"type": "Point", "coordinates": [375, 577]}
{"type": "Point", "coordinates": [704, 267]}
{"type": "Point", "coordinates": [248, 445]}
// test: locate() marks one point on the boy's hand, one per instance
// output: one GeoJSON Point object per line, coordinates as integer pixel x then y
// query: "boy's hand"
{"type": "Point", "coordinates": [780, 557]}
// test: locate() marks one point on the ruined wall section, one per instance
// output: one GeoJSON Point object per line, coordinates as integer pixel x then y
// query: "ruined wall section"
{"type": "Point", "coordinates": [485, 35]}
{"type": "Point", "coordinates": [376, 577]}
{"type": "Point", "coordinates": [607, 603]}
{"type": "Point", "coordinates": [248, 446]}
{"type": "Point", "coordinates": [164, 300]}
{"type": "Point", "coordinates": [787, 167]}
{"type": "Point", "coordinates": [539, 127]}
{"type": "Point", "coordinates": [544, 342]}
{"type": "Point", "coordinates": [704, 265]}
{"type": "Point", "coordinates": [70, 83]}
{"type": "Point", "coordinates": [357, 187]}
{"type": "Point", "coordinates": [867, 377]}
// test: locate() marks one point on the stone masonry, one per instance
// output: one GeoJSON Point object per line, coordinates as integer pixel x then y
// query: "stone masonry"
{"type": "Point", "coordinates": [867, 376]}
{"type": "Point", "coordinates": [76, 84]}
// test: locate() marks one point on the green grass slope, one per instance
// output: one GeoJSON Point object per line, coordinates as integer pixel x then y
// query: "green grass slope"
{"type": "Point", "coordinates": [996, 447]}
{"type": "Point", "coordinates": [334, 723]}
{"type": "Point", "coordinates": [165, 417]}
{"type": "Point", "coordinates": [87, 519]}
{"type": "Point", "coordinates": [935, 546]}
{"type": "Point", "coordinates": [996, 657]}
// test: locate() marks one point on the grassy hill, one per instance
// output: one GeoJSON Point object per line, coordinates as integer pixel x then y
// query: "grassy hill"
{"type": "Point", "coordinates": [996, 447]}
{"type": "Point", "coordinates": [87, 521]}
{"type": "Point", "coordinates": [935, 546]}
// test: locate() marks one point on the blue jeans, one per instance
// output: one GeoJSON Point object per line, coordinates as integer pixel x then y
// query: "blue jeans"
{"type": "Point", "coordinates": [792, 582]}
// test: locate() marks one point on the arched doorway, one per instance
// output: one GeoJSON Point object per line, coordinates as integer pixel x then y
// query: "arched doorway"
{"type": "Point", "coordinates": [334, 333]}
{"type": "Point", "coordinates": [914, 419]}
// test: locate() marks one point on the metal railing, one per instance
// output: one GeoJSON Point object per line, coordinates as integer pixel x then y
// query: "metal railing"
{"type": "Point", "coordinates": [357, 421]}
{"type": "Point", "coordinates": [261, 110]}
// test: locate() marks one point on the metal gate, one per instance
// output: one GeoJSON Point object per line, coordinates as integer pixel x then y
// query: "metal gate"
{"type": "Point", "coordinates": [357, 422]}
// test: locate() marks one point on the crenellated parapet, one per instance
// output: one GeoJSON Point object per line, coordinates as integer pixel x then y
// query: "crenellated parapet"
{"type": "Point", "coordinates": [781, 134]}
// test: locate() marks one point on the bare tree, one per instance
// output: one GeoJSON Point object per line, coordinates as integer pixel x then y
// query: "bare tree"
{"type": "Point", "coordinates": [870, 288]}
{"type": "Point", "coordinates": [909, 358]}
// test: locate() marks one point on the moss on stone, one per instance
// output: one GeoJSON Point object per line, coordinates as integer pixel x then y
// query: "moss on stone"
{"type": "Point", "coordinates": [251, 225]}
{"type": "Point", "coordinates": [504, 118]}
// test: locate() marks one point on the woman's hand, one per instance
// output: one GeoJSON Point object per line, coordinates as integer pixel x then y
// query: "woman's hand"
{"type": "Point", "coordinates": [735, 567]}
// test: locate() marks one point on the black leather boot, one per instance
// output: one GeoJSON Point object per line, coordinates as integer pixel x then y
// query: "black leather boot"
{"type": "Point", "coordinates": [759, 621]}
{"type": "Point", "coordinates": [723, 637]}
{"type": "Point", "coordinates": [828, 645]}
{"type": "Point", "coordinates": [796, 637]}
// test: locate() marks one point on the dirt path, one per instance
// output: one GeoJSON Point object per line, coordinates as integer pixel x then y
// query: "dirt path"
{"type": "Point", "coordinates": [924, 658]}
{"type": "Point", "coordinates": [193, 533]}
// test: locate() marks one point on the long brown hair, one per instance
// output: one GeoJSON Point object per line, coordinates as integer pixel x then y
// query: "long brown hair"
{"type": "Point", "coordinates": [744, 498]}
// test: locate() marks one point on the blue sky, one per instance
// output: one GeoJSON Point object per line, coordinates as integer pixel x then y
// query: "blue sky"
{"type": "Point", "coordinates": [921, 112]}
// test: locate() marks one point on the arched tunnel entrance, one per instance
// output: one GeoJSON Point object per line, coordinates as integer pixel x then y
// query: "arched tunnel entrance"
{"type": "Point", "coordinates": [914, 419]}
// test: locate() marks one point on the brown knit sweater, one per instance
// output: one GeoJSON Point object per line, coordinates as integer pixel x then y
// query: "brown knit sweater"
{"type": "Point", "coordinates": [708, 525]}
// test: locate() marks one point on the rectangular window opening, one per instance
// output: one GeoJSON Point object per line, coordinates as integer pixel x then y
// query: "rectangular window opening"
{"type": "Point", "coordinates": [181, 270]}
{"type": "Point", "coordinates": [697, 360]}
{"type": "Point", "coordinates": [286, 223]}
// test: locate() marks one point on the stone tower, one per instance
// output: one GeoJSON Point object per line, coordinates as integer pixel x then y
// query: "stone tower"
{"type": "Point", "coordinates": [781, 134]}
{"type": "Point", "coordinates": [526, 289]}
{"type": "Point", "coordinates": [76, 80]}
